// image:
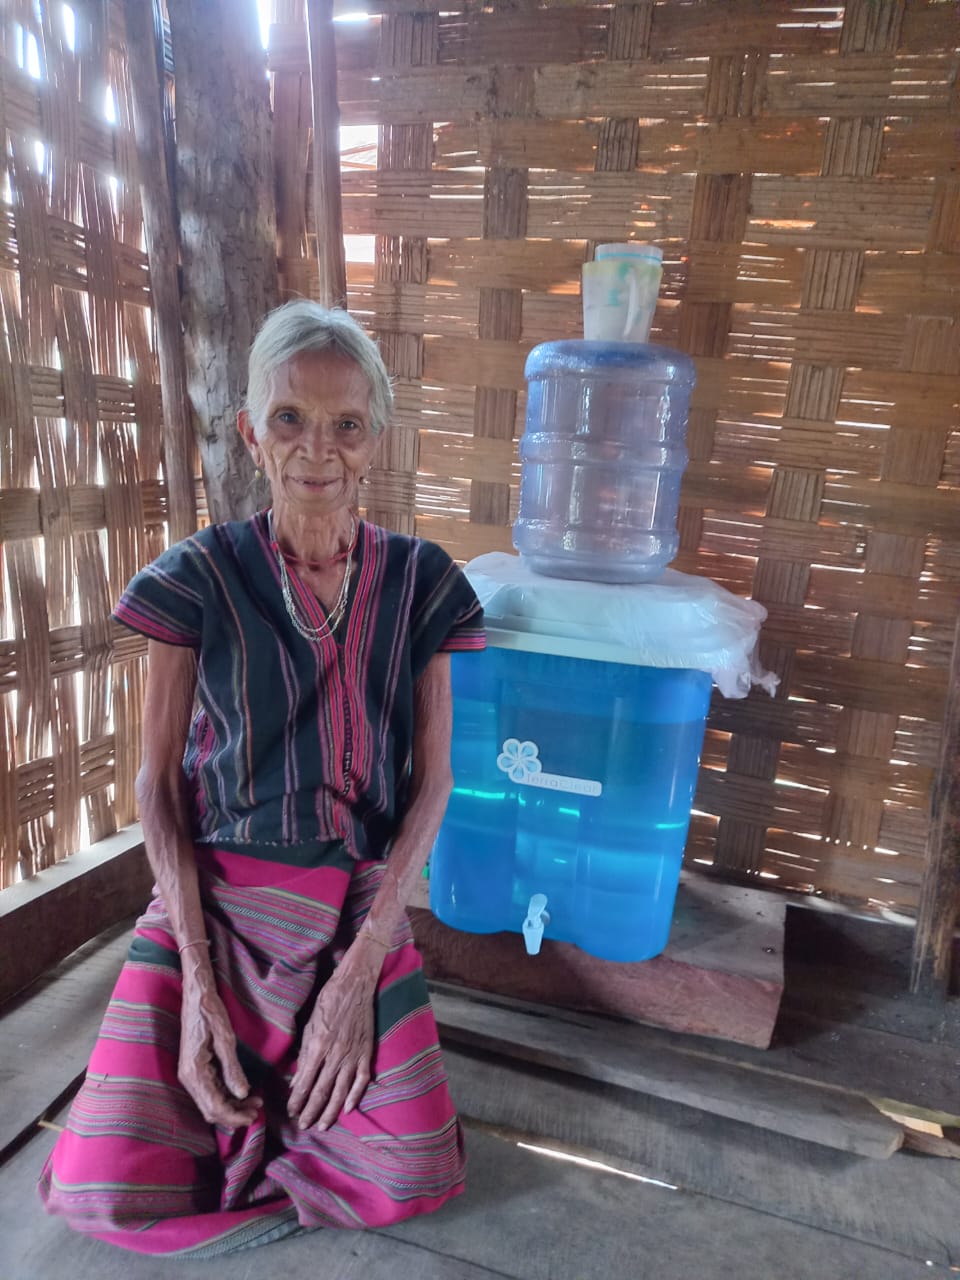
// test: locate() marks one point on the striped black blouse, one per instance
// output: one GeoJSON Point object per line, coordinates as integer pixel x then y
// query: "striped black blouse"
{"type": "Point", "coordinates": [296, 742]}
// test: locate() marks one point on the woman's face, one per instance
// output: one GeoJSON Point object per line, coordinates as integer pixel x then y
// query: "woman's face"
{"type": "Point", "coordinates": [318, 439]}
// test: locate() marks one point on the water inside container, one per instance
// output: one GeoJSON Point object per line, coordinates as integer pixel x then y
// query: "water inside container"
{"type": "Point", "coordinates": [608, 862]}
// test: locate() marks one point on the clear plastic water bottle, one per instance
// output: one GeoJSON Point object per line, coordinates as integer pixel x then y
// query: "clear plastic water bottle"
{"type": "Point", "coordinates": [603, 453]}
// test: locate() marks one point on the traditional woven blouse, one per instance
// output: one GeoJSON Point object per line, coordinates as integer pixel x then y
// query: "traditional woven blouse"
{"type": "Point", "coordinates": [297, 742]}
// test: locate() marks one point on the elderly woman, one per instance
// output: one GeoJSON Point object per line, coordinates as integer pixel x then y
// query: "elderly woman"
{"type": "Point", "coordinates": [269, 1060]}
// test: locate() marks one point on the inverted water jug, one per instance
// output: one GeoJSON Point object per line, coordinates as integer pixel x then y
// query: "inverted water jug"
{"type": "Point", "coordinates": [602, 452]}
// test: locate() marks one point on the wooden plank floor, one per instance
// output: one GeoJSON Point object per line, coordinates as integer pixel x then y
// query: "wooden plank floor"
{"type": "Point", "coordinates": [525, 1216]}
{"type": "Point", "coordinates": [907, 1204]}
{"type": "Point", "coordinates": [46, 1034]}
{"type": "Point", "coordinates": [748, 1202]}
{"type": "Point", "coordinates": [631, 1057]}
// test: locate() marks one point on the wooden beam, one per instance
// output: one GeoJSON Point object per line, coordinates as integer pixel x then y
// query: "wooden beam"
{"type": "Point", "coordinates": [940, 889]}
{"type": "Point", "coordinates": [327, 204]}
{"type": "Point", "coordinates": [228, 227]}
{"type": "Point", "coordinates": [144, 53]}
{"type": "Point", "coordinates": [787, 1179]}
{"type": "Point", "coordinates": [720, 975]}
{"type": "Point", "coordinates": [44, 919]}
{"type": "Point", "coordinates": [637, 1059]}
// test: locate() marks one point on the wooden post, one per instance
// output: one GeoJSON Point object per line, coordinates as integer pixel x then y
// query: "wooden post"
{"type": "Point", "coordinates": [228, 227]}
{"type": "Point", "coordinates": [144, 54]}
{"type": "Point", "coordinates": [327, 205]}
{"type": "Point", "coordinates": [940, 890]}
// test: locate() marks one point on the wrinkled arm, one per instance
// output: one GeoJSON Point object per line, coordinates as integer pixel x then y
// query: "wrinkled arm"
{"type": "Point", "coordinates": [335, 1061]}
{"type": "Point", "coordinates": [430, 786]}
{"type": "Point", "coordinates": [208, 1067]}
{"type": "Point", "coordinates": [162, 794]}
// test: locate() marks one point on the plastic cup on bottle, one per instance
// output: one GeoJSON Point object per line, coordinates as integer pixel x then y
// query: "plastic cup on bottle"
{"type": "Point", "coordinates": [620, 289]}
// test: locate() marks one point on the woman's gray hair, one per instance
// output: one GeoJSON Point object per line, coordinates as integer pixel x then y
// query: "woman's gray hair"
{"type": "Point", "coordinates": [301, 326]}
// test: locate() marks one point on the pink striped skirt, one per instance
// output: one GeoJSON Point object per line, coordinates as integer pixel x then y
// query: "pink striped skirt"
{"type": "Point", "coordinates": [138, 1166]}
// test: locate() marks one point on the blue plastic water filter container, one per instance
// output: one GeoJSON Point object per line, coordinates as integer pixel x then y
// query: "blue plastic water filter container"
{"type": "Point", "coordinates": [603, 452]}
{"type": "Point", "coordinates": [574, 780]}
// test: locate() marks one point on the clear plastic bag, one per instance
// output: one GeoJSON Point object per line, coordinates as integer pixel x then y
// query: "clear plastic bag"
{"type": "Point", "coordinates": [677, 621]}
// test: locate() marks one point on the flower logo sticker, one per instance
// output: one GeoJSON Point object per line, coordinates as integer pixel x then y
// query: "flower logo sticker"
{"type": "Point", "coordinates": [519, 759]}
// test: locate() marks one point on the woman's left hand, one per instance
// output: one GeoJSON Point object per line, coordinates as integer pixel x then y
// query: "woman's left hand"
{"type": "Point", "coordinates": [335, 1060]}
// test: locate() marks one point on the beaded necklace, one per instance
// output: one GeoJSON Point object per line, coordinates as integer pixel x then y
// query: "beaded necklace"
{"type": "Point", "coordinates": [339, 609]}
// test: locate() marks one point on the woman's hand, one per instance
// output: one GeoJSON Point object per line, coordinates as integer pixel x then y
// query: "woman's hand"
{"type": "Point", "coordinates": [209, 1069]}
{"type": "Point", "coordinates": [334, 1065]}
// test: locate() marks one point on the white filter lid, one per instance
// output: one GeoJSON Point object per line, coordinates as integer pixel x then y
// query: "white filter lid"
{"type": "Point", "coordinates": [678, 621]}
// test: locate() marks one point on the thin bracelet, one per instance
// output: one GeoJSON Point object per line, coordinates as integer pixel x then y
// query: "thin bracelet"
{"type": "Point", "coordinates": [368, 933]}
{"type": "Point", "coordinates": [197, 942]}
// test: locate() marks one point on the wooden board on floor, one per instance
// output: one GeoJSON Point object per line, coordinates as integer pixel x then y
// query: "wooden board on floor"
{"type": "Point", "coordinates": [46, 918]}
{"type": "Point", "coordinates": [907, 1204]}
{"type": "Point", "coordinates": [919, 1076]}
{"type": "Point", "coordinates": [632, 1058]}
{"type": "Point", "coordinates": [47, 1033]}
{"type": "Point", "coordinates": [525, 1216]}
{"type": "Point", "coordinates": [721, 974]}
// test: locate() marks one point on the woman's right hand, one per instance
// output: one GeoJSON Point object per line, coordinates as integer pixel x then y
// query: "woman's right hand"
{"type": "Point", "coordinates": [209, 1069]}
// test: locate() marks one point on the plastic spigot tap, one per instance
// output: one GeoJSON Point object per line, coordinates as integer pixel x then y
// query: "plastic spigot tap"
{"type": "Point", "coordinates": [537, 920]}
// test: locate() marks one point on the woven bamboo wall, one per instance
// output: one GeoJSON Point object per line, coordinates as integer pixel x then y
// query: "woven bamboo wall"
{"type": "Point", "coordinates": [82, 504]}
{"type": "Point", "coordinates": [797, 162]}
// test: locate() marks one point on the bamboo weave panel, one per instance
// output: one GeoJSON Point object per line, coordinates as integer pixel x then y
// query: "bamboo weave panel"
{"type": "Point", "coordinates": [797, 163]}
{"type": "Point", "coordinates": [82, 496]}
